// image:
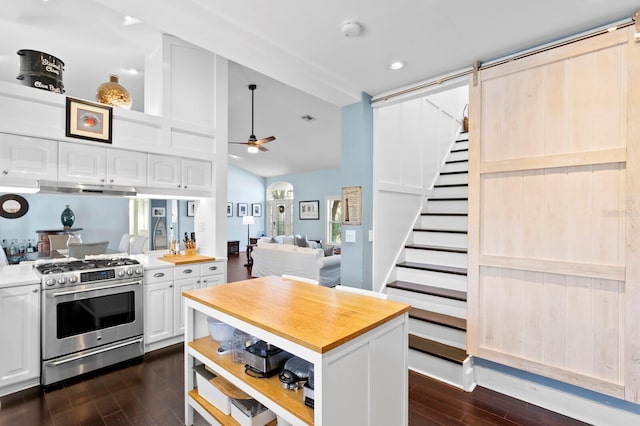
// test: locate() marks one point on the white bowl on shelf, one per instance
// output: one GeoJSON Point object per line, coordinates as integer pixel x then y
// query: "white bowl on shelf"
{"type": "Point", "coordinates": [219, 331]}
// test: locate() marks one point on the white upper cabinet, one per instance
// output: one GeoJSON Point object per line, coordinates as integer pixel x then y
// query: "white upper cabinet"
{"type": "Point", "coordinates": [96, 165]}
{"type": "Point", "coordinates": [179, 173]}
{"type": "Point", "coordinates": [126, 167]}
{"type": "Point", "coordinates": [25, 160]}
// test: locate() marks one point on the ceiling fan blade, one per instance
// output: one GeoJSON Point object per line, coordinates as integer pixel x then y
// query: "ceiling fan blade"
{"type": "Point", "coordinates": [265, 140]}
{"type": "Point", "coordinates": [242, 143]}
{"type": "Point", "coordinates": [262, 148]}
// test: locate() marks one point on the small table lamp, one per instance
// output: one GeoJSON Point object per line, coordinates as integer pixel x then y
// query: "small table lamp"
{"type": "Point", "coordinates": [248, 220]}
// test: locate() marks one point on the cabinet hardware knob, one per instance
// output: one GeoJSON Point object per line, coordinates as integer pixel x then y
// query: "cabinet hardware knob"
{"type": "Point", "coordinates": [179, 186]}
{"type": "Point", "coordinates": [185, 186]}
{"type": "Point", "coordinates": [213, 268]}
{"type": "Point", "coordinates": [5, 172]}
{"type": "Point", "coordinates": [35, 290]}
{"type": "Point", "coordinates": [101, 180]}
{"type": "Point", "coordinates": [111, 181]}
{"type": "Point", "coordinates": [158, 274]}
{"type": "Point", "coordinates": [171, 286]}
{"type": "Point", "coordinates": [187, 271]}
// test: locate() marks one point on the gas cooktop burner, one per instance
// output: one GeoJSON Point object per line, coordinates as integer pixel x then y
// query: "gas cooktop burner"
{"type": "Point", "coordinates": [83, 265]}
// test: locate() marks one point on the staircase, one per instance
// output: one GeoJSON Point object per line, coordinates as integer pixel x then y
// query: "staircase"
{"type": "Point", "coordinates": [432, 278]}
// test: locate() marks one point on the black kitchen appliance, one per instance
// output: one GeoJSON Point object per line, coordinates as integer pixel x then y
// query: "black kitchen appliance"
{"type": "Point", "coordinates": [262, 359]}
{"type": "Point", "coordinates": [295, 373]}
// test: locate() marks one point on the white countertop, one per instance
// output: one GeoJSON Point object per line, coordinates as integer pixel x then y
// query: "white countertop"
{"type": "Point", "coordinates": [15, 275]}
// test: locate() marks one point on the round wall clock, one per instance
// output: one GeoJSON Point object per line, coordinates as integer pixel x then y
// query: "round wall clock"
{"type": "Point", "coordinates": [13, 206]}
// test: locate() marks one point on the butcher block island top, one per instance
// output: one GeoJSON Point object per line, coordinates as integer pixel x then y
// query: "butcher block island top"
{"type": "Point", "coordinates": [316, 317]}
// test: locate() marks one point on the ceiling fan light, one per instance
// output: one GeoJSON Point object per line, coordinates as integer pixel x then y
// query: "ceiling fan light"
{"type": "Point", "coordinates": [252, 149]}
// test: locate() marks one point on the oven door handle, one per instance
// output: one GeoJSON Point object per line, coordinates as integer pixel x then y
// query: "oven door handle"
{"type": "Point", "coordinates": [106, 287]}
{"type": "Point", "coordinates": [96, 352]}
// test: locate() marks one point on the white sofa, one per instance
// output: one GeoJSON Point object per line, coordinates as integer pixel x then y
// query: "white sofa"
{"type": "Point", "coordinates": [278, 259]}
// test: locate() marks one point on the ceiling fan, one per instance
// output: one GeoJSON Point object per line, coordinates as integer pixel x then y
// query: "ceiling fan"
{"type": "Point", "coordinates": [255, 144]}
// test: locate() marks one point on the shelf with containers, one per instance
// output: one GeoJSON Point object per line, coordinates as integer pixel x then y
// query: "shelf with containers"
{"type": "Point", "coordinates": [357, 344]}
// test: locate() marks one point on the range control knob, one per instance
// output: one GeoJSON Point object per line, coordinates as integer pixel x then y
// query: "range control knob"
{"type": "Point", "coordinates": [73, 279]}
{"type": "Point", "coordinates": [62, 280]}
{"type": "Point", "coordinates": [138, 271]}
{"type": "Point", "coordinates": [50, 281]}
{"type": "Point", "coordinates": [121, 273]}
{"type": "Point", "coordinates": [130, 271]}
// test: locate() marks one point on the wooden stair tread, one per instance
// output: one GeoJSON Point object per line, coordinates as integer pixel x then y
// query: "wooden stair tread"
{"type": "Point", "coordinates": [456, 161]}
{"type": "Point", "coordinates": [449, 199]}
{"type": "Point", "coordinates": [460, 149]}
{"type": "Point", "coordinates": [448, 231]}
{"type": "Point", "coordinates": [434, 268]}
{"type": "Point", "coordinates": [443, 214]}
{"type": "Point", "coordinates": [429, 290]}
{"type": "Point", "coordinates": [438, 318]}
{"type": "Point", "coordinates": [454, 173]}
{"type": "Point", "coordinates": [440, 350]}
{"type": "Point", "coordinates": [436, 248]}
{"type": "Point", "coordinates": [451, 185]}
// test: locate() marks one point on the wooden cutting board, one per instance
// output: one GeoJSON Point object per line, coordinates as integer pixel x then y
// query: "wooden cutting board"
{"type": "Point", "coordinates": [178, 259]}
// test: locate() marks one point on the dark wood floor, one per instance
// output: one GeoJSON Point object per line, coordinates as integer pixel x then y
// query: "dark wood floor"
{"type": "Point", "coordinates": [150, 392]}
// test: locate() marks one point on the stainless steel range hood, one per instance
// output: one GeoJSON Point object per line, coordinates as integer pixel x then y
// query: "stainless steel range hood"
{"type": "Point", "coordinates": [51, 187]}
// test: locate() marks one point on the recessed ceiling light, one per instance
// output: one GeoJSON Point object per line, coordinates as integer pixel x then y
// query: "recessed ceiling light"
{"type": "Point", "coordinates": [131, 71]}
{"type": "Point", "coordinates": [397, 65]}
{"type": "Point", "coordinates": [130, 20]}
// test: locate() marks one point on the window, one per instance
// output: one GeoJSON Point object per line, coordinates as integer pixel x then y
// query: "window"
{"type": "Point", "coordinates": [334, 221]}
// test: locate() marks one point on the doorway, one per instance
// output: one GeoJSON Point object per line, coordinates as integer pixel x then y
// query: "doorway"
{"type": "Point", "coordinates": [280, 211]}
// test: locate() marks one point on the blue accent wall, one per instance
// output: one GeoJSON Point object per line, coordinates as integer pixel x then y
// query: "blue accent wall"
{"type": "Point", "coordinates": [244, 187]}
{"type": "Point", "coordinates": [311, 186]}
{"type": "Point", "coordinates": [357, 170]}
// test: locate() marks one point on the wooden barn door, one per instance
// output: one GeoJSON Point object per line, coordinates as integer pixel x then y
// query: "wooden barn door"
{"type": "Point", "coordinates": [554, 208]}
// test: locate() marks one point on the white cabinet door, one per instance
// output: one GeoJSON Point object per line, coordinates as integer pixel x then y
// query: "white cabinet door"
{"type": "Point", "coordinates": [158, 311]}
{"type": "Point", "coordinates": [196, 175]}
{"type": "Point", "coordinates": [82, 164]}
{"type": "Point", "coordinates": [24, 160]}
{"type": "Point", "coordinates": [178, 302]}
{"type": "Point", "coordinates": [19, 334]}
{"type": "Point", "coordinates": [164, 171]}
{"type": "Point", "coordinates": [126, 167]}
{"type": "Point", "coordinates": [212, 273]}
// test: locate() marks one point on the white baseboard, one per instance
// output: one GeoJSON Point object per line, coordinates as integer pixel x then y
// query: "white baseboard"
{"type": "Point", "coordinates": [568, 404]}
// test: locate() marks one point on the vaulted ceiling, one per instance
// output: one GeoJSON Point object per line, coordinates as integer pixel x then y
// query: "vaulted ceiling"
{"type": "Point", "coordinates": [293, 50]}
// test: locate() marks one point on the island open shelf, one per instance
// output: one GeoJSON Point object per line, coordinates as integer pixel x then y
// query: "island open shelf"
{"type": "Point", "coordinates": [357, 344]}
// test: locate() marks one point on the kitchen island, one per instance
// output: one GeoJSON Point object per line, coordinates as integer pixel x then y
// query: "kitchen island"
{"type": "Point", "coordinates": [357, 345]}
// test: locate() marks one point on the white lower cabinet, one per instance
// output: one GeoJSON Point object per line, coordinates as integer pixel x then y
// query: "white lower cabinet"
{"type": "Point", "coordinates": [20, 337]}
{"type": "Point", "coordinates": [163, 302]}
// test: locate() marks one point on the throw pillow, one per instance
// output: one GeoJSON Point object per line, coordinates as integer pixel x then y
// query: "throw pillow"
{"type": "Point", "coordinates": [301, 241]}
{"type": "Point", "coordinates": [328, 251]}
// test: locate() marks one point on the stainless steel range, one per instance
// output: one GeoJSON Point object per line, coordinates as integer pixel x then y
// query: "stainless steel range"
{"type": "Point", "coordinates": [92, 315]}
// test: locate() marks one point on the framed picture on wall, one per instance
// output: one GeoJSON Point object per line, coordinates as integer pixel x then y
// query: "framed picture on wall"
{"type": "Point", "coordinates": [256, 209]}
{"type": "Point", "coordinates": [191, 208]}
{"type": "Point", "coordinates": [309, 210]}
{"type": "Point", "coordinates": [157, 211]}
{"type": "Point", "coordinates": [242, 209]}
{"type": "Point", "coordinates": [88, 120]}
{"type": "Point", "coordinates": [229, 209]}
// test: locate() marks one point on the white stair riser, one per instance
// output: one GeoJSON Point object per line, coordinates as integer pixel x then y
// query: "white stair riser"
{"type": "Point", "coordinates": [450, 192]}
{"type": "Point", "coordinates": [432, 278]}
{"type": "Point", "coordinates": [451, 223]}
{"type": "Point", "coordinates": [439, 333]}
{"type": "Point", "coordinates": [458, 155]}
{"type": "Point", "coordinates": [447, 206]}
{"type": "Point", "coordinates": [438, 368]}
{"type": "Point", "coordinates": [455, 167]}
{"type": "Point", "coordinates": [452, 179]}
{"type": "Point", "coordinates": [436, 257]}
{"type": "Point", "coordinates": [427, 302]}
{"type": "Point", "coordinates": [442, 239]}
